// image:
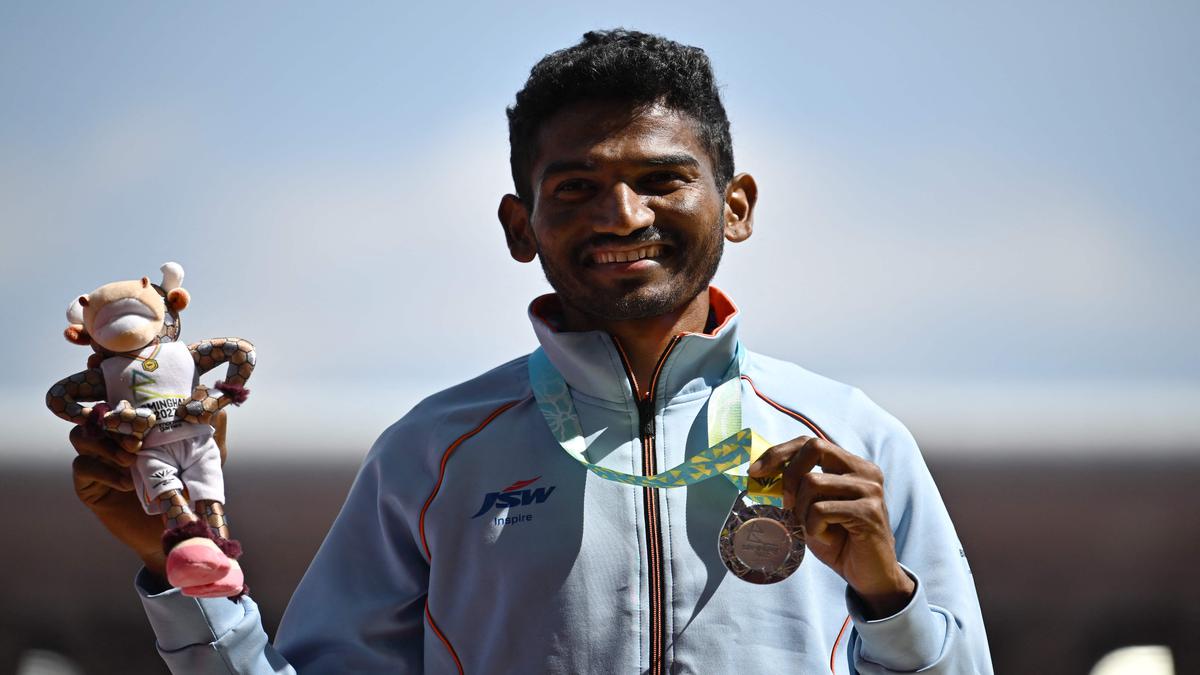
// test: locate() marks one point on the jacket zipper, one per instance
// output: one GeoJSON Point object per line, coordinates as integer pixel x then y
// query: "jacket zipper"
{"type": "Point", "coordinates": [658, 590]}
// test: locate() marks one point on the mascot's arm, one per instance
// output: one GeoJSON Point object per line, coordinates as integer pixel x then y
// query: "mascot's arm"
{"type": "Point", "coordinates": [63, 398]}
{"type": "Point", "coordinates": [209, 354]}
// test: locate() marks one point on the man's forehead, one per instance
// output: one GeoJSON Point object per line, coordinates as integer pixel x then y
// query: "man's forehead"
{"type": "Point", "coordinates": [597, 132]}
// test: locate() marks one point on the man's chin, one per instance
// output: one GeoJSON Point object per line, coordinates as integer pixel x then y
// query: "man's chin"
{"type": "Point", "coordinates": [626, 298]}
{"type": "Point", "coordinates": [632, 304]}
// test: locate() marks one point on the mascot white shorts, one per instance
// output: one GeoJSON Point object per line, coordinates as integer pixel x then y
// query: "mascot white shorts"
{"type": "Point", "coordinates": [192, 464]}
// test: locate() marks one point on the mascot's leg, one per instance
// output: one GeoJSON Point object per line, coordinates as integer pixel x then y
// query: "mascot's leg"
{"type": "Point", "coordinates": [193, 556]}
{"type": "Point", "coordinates": [201, 558]}
{"type": "Point", "coordinates": [213, 513]}
{"type": "Point", "coordinates": [232, 584]}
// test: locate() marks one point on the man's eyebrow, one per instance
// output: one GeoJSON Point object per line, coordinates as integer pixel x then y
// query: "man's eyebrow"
{"type": "Point", "coordinates": [568, 165]}
{"type": "Point", "coordinates": [565, 165]}
{"type": "Point", "coordinates": [677, 159]}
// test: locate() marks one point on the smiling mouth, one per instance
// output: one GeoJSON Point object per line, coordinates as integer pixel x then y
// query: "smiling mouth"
{"type": "Point", "coordinates": [631, 255]}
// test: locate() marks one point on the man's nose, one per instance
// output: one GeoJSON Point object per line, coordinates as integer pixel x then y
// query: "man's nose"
{"type": "Point", "coordinates": [622, 211]}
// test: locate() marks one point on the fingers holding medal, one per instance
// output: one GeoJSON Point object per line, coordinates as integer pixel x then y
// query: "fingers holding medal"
{"type": "Point", "coordinates": [841, 509]}
{"type": "Point", "coordinates": [759, 542]}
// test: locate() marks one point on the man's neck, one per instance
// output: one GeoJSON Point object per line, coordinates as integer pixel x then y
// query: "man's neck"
{"type": "Point", "coordinates": [644, 340]}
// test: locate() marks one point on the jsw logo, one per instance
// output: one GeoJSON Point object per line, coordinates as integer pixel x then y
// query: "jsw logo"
{"type": "Point", "coordinates": [515, 495]}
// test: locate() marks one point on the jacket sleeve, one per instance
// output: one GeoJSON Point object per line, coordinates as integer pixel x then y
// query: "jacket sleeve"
{"type": "Point", "coordinates": [941, 629]}
{"type": "Point", "coordinates": [359, 607]}
{"type": "Point", "coordinates": [208, 635]}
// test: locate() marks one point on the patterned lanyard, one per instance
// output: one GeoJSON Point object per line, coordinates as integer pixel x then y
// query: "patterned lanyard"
{"type": "Point", "coordinates": [149, 363]}
{"type": "Point", "coordinates": [730, 446]}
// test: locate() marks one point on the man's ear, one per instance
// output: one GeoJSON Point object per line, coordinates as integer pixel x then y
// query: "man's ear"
{"type": "Point", "coordinates": [514, 218]}
{"type": "Point", "coordinates": [740, 198]}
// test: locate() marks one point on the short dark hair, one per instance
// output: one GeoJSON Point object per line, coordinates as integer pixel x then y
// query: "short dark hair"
{"type": "Point", "coordinates": [626, 66]}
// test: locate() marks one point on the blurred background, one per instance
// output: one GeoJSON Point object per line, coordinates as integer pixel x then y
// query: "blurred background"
{"type": "Point", "coordinates": [989, 213]}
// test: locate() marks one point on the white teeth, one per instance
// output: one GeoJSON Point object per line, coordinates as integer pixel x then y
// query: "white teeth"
{"type": "Point", "coordinates": [627, 256]}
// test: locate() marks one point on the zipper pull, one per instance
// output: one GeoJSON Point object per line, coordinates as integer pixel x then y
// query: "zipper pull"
{"type": "Point", "coordinates": [646, 416]}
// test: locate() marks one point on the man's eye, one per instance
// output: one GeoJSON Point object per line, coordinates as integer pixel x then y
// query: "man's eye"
{"type": "Point", "coordinates": [570, 186]}
{"type": "Point", "coordinates": [662, 177]}
{"type": "Point", "coordinates": [662, 180]}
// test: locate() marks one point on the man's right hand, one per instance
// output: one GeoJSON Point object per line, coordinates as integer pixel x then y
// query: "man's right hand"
{"type": "Point", "coordinates": [104, 484]}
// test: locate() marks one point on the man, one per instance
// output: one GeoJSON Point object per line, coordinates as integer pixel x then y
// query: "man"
{"type": "Point", "coordinates": [472, 542]}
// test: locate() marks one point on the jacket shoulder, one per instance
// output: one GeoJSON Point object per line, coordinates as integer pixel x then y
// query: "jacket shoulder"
{"type": "Point", "coordinates": [847, 414]}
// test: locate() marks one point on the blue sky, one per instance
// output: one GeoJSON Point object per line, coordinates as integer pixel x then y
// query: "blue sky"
{"type": "Point", "coordinates": [977, 214]}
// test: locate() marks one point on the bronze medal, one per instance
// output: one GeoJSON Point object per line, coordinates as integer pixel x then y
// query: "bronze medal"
{"type": "Point", "coordinates": [759, 544]}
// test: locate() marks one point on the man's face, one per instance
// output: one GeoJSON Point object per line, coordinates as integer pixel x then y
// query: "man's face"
{"type": "Point", "coordinates": [627, 217]}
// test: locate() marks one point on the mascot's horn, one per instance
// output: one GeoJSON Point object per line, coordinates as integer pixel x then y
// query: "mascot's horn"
{"type": "Point", "coordinates": [172, 276]}
{"type": "Point", "coordinates": [75, 312]}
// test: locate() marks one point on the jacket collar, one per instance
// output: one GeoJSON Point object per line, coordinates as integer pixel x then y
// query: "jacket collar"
{"type": "Point", "coordinates": [592, 364]}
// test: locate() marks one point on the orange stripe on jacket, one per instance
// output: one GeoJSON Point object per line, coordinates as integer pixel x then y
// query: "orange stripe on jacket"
{"type": "Point", "coordinates": [836, 642]}
{"type": "Point", "coordinates": [819, 432]}
{"type": "Point", "coordinates": [421, 521]}
{"type": "Point", "coordinates": [788, 411]}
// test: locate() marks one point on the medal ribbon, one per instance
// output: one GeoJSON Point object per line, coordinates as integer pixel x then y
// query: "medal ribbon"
{"type": "Point", "coordinates": [730, 446]}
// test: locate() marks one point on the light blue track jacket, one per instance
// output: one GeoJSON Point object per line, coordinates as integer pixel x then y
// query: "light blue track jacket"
{"type": "Point", "coordinates": [471, 542]}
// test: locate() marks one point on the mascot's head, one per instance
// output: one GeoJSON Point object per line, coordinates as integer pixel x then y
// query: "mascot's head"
{"type": "Point", "coordinates": [128, 315]}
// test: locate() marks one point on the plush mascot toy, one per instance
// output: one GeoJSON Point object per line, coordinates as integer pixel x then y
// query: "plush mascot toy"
{"type": "Point", "coordinates": [142, 382]}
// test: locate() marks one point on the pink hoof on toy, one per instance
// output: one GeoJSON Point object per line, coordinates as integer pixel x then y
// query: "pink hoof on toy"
{"type": "Point", "coordinates": [232, 584]}
{"type": "Point", "coordinates": [197, 562]}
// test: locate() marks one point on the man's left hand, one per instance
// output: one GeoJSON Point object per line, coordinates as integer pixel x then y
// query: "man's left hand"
{"type": "Point", "coordinates": [844, 517]}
